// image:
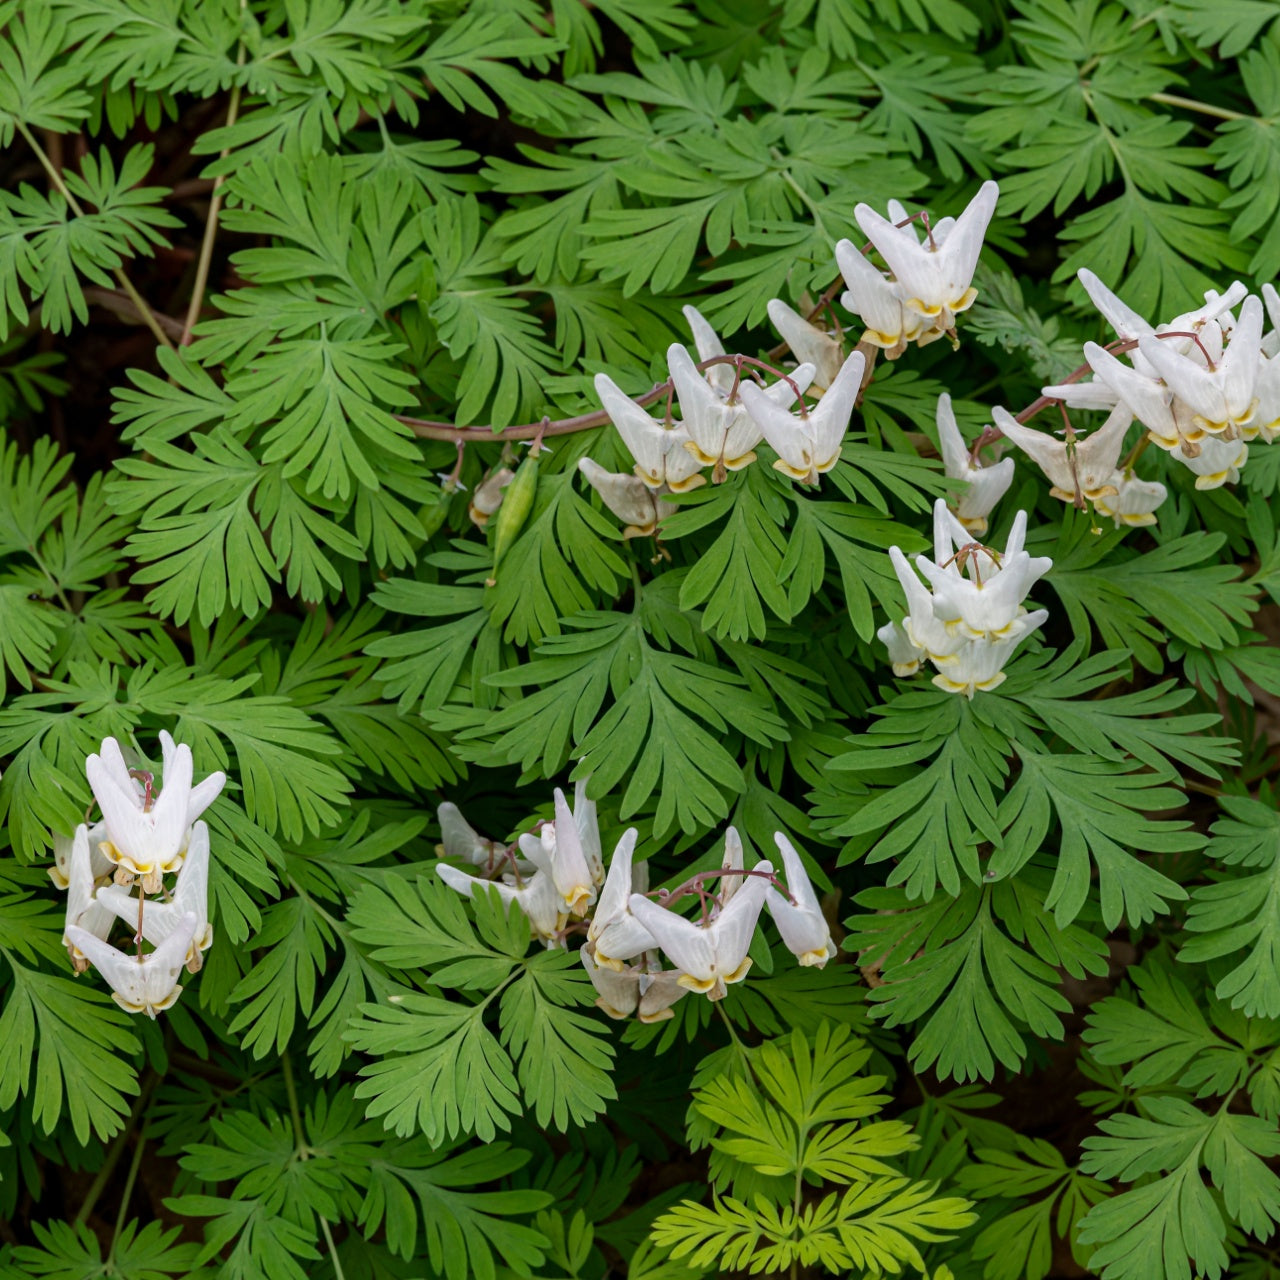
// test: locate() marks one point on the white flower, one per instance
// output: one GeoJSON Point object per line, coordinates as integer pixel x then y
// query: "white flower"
{"type": "Point", "coordinates": [462, 841]}
{"type": "Point", "coordinates": [83, 910]}
{"type": "Point", "coordinates": [535, 895]}
{"type": "Point", "coordinates": [1207, 321]}
{"type": "Point", "coordinates": [140, 984]}
{"type": "Point", "coordinates": [1214, 460]}
{"type": "Point", "coordinates": [875, 301]}
{"type": "Point", "coordinates": [801, 924]}
{"type": "Point", "coordinates": [1266, 420]}
{"type": "Point", "coordinates": [732, 865]}
{"type": "Point", "coordinates": [649, 991]}
{"type": "Point", "coordinates": [190, 899]}
{"type": "Point", "coordinates": [708, 346]}
{"type": "Point", "coordinates": [712, 954]}
{"type": "Point", "coordinates": [614, 934]}
{"type": "Point", "coordinates": [661, 458]}
{"type": "Point", "coordinates": [904, 654]}
{"type": "Point", "coordinates": [60, 872]}
{"type": "Point", "coordinates": [659, 989]}
{"type": "Point", "coordinates": [1077, 468]}
{"type": "Point", "coordinates": [629, 498]}
{"type": "Point", "coordinates": [987, 603]}
{"type": "Point", "coordinates": [146, 835]}
{"type": "Point", "coordinates": [617, 991]}
{"type": "Point", "coordinates": [1168, 422]}
{"type": "Point", "coordinates": [922, 629]}
{"type": "Point", "coordinates": [488, 496]}
{"type": "Point", "coordinates": [986, 485]}
{"type": "Point", "coordinates": [1271, 299]}
{"type": "Point", "coordinates": [570, 848]}
{"type": "Point", "coordinates": [1134, 502]}
{"type": "Point", "coordinates": [978, 664]}
{"type": "Point", "coordinates": [933, 276]}
{"type": "Point", "coordinates": [808, 343]}
{"type": "Point", "coordinates": [809, 445]}
{"type": "Point", "coordinates": [1221, 399]}
{"type": "Point", "coordinates": [968, 626]}
{"type": "Point", "coordinates": [721, 432]}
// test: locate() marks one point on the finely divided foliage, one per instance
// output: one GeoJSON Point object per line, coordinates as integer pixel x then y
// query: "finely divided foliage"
{"type": "Point", "coordinates": [639, 639]}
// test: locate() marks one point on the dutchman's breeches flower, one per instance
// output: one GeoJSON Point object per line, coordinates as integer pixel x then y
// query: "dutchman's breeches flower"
{"type": "Point", "coordinates": [190, 900]}
{"type": "Point", "coordinates": [1134, 502]}
{"type": "Point", "coordinates": [147, 835]}
{"type": "Point", "coordinates": [808, 444]}
{"type": "Point", "coordinates": [933, 276]}
{"type": "Point", "coordinates": [84, 909]}
{"type": "Point", "coordinates": [970, 623]}
{"type": "Point", "coordinates": [139, 984]}
{"type": "Point", "coordinates": [141, 841]}
{"type": "Point", "coordinates": [535, 895]}
{"type": "Point", "coordinates": [800, 922]}
{"type": "Point", "coordinates": [1079, 468]}
{"type": "Point", "coordinates": [712, 954]}
{"type": "Point", "coordinates": [981, 598]}
{"type": "Point", "coordinates": [641, 508]}
{"type": "Point", "coordinates": [984, 486]}
{"type": "Point", "coordinates": [661, 458]}
{"type": "Point", "coordinates": [1221, 399]}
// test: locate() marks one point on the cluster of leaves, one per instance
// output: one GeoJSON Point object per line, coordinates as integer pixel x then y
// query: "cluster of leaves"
{"type": "Point", "coordinates": [266, 231]}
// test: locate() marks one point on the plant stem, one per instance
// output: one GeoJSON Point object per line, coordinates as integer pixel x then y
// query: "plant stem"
{"type": "Point", "coordinates": [134, 1165]}
{"type": "Point", "coordinates": [304, 1152]}
{"type": "Point", "coordinates": [211, 225]}
{"type": "Point", "coordinates": [1193, 104]}
{"type": "Point", "coordinates": [74, 205]}
{"type": "Point", "coordinates": [103, 1175]}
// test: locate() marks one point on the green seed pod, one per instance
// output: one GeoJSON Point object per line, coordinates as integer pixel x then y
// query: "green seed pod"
{"type": "Point", "coordinates": [517, 502]}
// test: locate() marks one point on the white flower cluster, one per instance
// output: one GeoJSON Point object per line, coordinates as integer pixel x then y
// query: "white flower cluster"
{"type": "Point", "coordinates": [561, 878]}
{"type": "Point", "coordinates": [142, 837]}
{"type": "Point", "coordinates": [970, 618]}
{"type": "Point", "coordinates": [1203, 385]}
{"type": "Point", "coordinates": [724, 415]}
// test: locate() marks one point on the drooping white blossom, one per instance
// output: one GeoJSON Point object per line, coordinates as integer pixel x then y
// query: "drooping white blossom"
{"type": "Point", "coordinates": [875, 300]}
{"type": "Point", "coordinates": [190, 899]}
{"type": "Point", "coordinates": [982, 600]}
{"type": "Point", "coordinates": [712, 954]}
{"type": "Point", "coordinates": [1221, 399]}
{"type": "Point", "coordinates": [535, 895]}
{"type": "Point", "coordinates": [1134, 502]}
{"type": "Point", "coordinates": [614, 934]}
{"type": "Point", "coordinates": [808, 444]}
{"type": "Point", "coordinates": [973, 618]}
{"type": "Point", "coordinates": [808, 343]}
{"type": "Point", "coordinates": [146, 834]}
{"type": "Point", "coordinates": [801, 923]}
{"type": "Point", "coordinates": [1214, 461]}
{"type": "Point", "coordinates": [83, 908]}
{"type": "Point", "coordinates": [658, 448]}
{"type": "Point", "coordinates": [60, 872]}
{"type": "Point", "coordinates": [932, 273]}
{"type": "Point", "coordinates": [641, 508]}
{"type": "Point", "coordinates": [721, 431]}
{"type": "Point", "coordinates": [570, 848]}
{"type": "Point", "coordinates": [985, 485]}
{"type": "Point", "coordinates": [140, 984]}
{"type": "Point", "coordinates": [1079, 468]}
{"type": "Point", "coordinates": [706, 342]}
{"type": "Point", "coordinates": [1206, 322]}
{"type": "Point", "coordinates": [488, 496]}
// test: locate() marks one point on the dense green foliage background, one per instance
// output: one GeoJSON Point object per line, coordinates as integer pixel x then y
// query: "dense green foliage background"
{"type": "Point", "coordinates": [1062, 900]}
